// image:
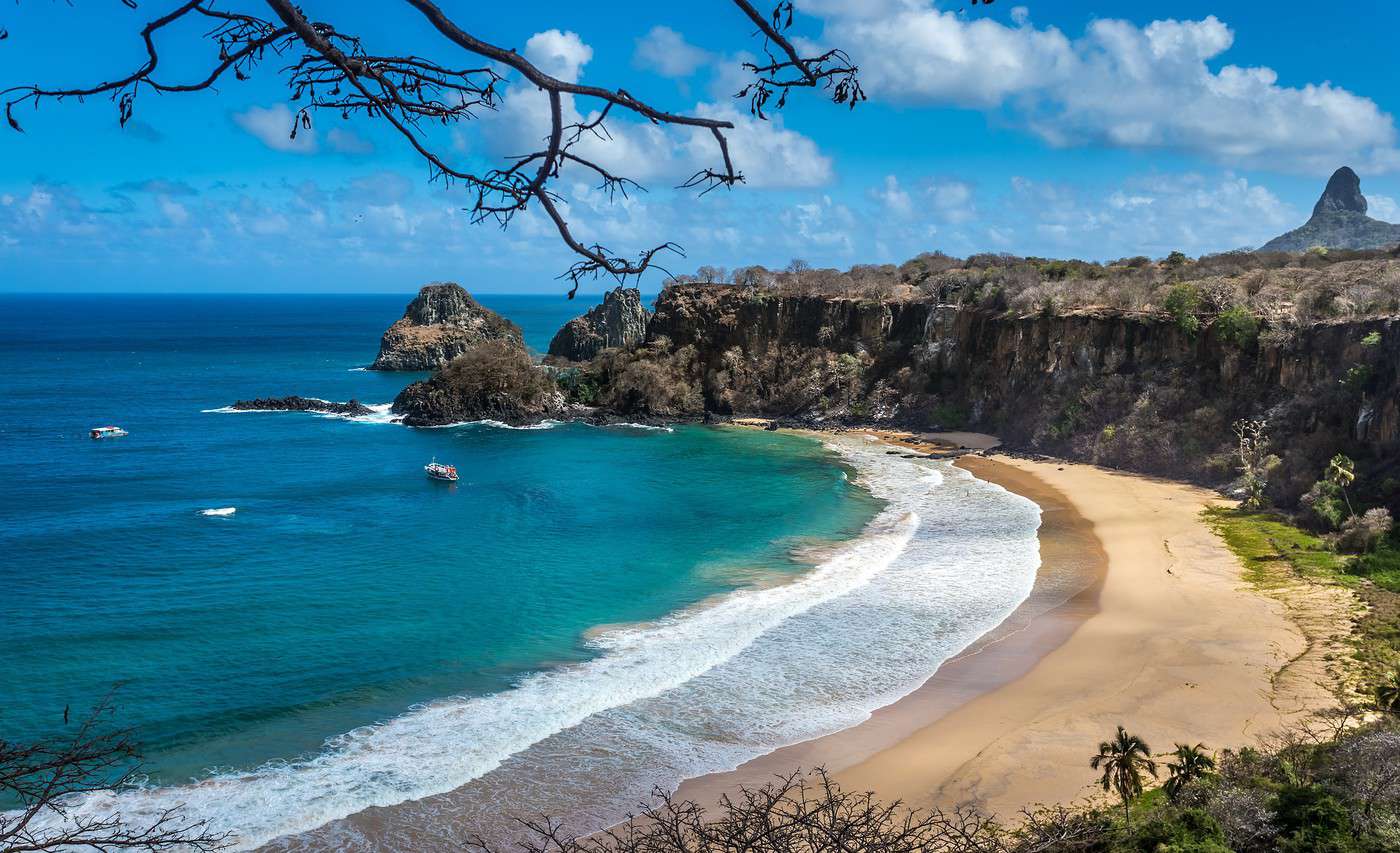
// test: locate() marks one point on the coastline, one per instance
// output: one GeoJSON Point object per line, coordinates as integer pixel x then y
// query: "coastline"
{"type": "Point", "coordinates": [1152, 626]}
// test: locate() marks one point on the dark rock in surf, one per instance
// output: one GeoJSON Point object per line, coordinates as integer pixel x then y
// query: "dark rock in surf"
{"type": "Point", "coordinates": [302, 404]}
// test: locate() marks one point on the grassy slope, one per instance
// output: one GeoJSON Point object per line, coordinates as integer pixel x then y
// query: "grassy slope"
{"type": "Point", "coordinates": [1276, 553]}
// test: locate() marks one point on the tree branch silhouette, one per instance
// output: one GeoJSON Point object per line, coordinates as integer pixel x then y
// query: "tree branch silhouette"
{"type": "Point", "coordinates": [331, 71]}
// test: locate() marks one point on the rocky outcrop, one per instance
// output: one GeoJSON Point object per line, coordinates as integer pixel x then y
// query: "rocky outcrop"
{"type": "Point", "coordinates": [441, 323]}
{"type": "Point", "coordinates": [495, 380]}
{"type": "Point", "coordinates": [619, 321]}
{"type": "Point", "coordinates": [1339, 221]}
{"type": "Point", "coordinates": [302, 404]}
{"type": "Point", "coordinates": [1134, 391]}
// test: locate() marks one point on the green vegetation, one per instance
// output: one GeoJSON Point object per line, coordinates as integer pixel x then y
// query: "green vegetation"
{"type": "Point", "coordinates": [1309, 791]}
{"type": "Point", "coordinates": [1238, 326]}
{"type": "Point", "coordinates": [1126, 760]}
{"type": "Point", "coordinates": [1183, 303]}
{"type": "Point", "coordinates": [1276, 554]}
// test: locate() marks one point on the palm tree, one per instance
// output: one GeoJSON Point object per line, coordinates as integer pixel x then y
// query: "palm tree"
{"type": "Point", "coordinates": [1388, 694]}
{"type": "Point", "coordinates": [1192, 763]}
{"type": "Point", "coordinates": [1123, 761]}
{"type": "Point", "coordinates": [1341, 471]}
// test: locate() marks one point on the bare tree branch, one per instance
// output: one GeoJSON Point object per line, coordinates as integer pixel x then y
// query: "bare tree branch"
{"type": "Point", "coordinates": [335, 73]}
{"type": "Point", "coordinates": [48, 777]}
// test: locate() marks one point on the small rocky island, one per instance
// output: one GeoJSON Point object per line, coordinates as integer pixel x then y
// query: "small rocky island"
{"type": "Point", "coordinates": [302, 404]}
{"type": "Point", "coordinates": [441, 323]}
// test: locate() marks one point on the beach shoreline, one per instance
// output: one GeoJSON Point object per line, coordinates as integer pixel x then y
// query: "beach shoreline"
{"type": "Point", "coordinates": [1140, 616]}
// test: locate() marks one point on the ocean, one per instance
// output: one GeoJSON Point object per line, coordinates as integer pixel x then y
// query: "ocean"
{"type": "Point", "coordinates": [587, 613]}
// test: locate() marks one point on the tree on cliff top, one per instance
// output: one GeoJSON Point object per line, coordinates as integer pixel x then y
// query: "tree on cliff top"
{"type": "Point", "coordinates": [329, 70]}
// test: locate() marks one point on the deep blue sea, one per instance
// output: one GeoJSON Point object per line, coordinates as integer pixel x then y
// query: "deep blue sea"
{"type": "Point", "coordinates": [355, 634]}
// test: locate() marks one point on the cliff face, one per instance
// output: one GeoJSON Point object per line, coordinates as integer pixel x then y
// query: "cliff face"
{"type": "Point", "coordinates": [1339, 221]}
{"type": "Point", "coordinates": [441, 323]}
{"type": "Point", "coordinates": [619, 321]}
{"type": "Point", "coordinates": [1132, 391]}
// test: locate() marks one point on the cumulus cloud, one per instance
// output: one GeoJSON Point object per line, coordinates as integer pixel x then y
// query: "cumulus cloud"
{"type": "Point", "coordinates": [769, 154]}
{"type": "Point", "coordinates": [558, 54]}
{"type": "Point", "coordinates": [273, 127]}
{"type": "Point", "coordinates": [932, 200]}
{"type": "Point", "coordinates": [1119, 85]}
{"type": "Point", "coordinates": [1383, 207]}
{"type": "Point", "coordinates": [666, 52]}
{"type": "Point", "coordinates": [1151, 215]}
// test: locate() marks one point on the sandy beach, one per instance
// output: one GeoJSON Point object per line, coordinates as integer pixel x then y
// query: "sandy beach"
{"type": "Point", "coordinates": [1140, 617]}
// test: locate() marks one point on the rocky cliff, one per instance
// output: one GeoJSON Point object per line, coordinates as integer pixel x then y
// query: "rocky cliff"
{"type": "Point", "coordinates": [441, 323]}
{"type": "Point", "coordinates": [1339, 221]}
{"type": "Point", "coordinates": [619, 321]}
{"type": "Point", "coordinates": [1137, 391]}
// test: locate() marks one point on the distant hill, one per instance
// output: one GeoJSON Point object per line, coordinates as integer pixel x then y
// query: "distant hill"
{"type": "Point", "coordinates": [1339, 221]}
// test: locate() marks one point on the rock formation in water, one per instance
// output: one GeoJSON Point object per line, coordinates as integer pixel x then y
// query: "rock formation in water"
{"type": "Point", "coordinates": [302, 404]}
{"type": "Point", "coordinates": [1339, 221]}
{"type": "Point", "coordinates": [441, 323]}
{"type": "Point", "coordinates": [495, 380]}
{"type": "Point", "coordinates": [619, 321]}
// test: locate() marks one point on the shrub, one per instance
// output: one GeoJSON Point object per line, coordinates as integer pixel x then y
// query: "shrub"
{"type": "Point", "coordinates": [1371, 339]}
{"type": "Point", "coordinates": [1183, 301]}
{"type": "Point", "coordinates": [1239, 326]}
{"type": "Point", "coordinates": [1324, 500]}
{"type": "Point", "coordinates": [1363, 532]}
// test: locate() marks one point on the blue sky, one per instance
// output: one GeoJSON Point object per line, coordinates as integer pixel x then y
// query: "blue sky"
{"type": "Point", "coordinates": [1060, 128]}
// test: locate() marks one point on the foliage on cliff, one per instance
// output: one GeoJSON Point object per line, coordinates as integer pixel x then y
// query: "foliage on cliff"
{"type": "Point", "coordinates": [494, 380]}
{"type": "Point", "coordinates": [1333, 789]}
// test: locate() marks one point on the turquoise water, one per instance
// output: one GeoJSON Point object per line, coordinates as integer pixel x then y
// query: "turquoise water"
{"type": "Point", "coordinates": [346, 588]}
{"type": "Point", "coordinates": [589, 613]}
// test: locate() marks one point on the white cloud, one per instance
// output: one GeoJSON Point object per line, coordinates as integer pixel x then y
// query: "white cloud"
{"type": "Point", "coordinates": [273, 126]}
{"type": "Point", "coordinates": [893, 198]}
{"type": "Point", "coordinates": [1119, 85]}
{"type": "Point", "coordinates": [558, 54]}
{"type": "Point", "coordinates": [934, 201]}
{"type": "Point", "coordinates": [767, 153]}
{"type": "Point", "coordinates": [666, 52]}
{"type": "Point", "coordinates": [348, 142]}
{"type": "Point", "coordinates": [1383, 207]}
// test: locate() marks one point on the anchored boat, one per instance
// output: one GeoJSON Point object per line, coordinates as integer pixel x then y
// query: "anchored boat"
{"type": "Point", "coordinates": [107, 432]}
{"type": "Point", "coordinates": [438, 471]}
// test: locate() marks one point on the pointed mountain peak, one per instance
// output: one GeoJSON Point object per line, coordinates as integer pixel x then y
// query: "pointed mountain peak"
{"type": "Point", "coordinates": [1343, 193]}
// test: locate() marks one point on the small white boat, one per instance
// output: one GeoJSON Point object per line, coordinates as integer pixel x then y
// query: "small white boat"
{"type": "Point", "coordinates": [438, 471]}
{"type": "Point", "coordinates": [107, 432]}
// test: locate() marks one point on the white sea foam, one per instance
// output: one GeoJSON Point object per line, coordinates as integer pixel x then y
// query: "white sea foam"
{"type": "Point", "coordinates": [702, 690]}
{"type": "Point", "coordinates": [223, 510]}
{"type": "Point", "coordinates": [381, 413]}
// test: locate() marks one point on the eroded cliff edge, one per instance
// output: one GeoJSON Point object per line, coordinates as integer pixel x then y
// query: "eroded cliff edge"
{"type": "Point", "coordinates": [1140, 391]}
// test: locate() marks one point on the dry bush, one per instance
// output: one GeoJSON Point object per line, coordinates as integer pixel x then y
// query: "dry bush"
{"type": "Point", "coordinates": [812, 814]}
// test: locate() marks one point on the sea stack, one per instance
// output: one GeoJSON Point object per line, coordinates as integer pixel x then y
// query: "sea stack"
{"type": "Point", "coordinates": [619, 321]}
{"type": "Point", "coordinates": [441, 323]}
{"type": "Point", "coordinates": [1339, 221]}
